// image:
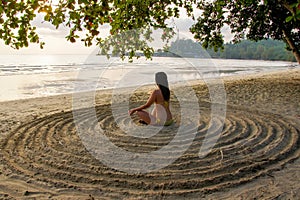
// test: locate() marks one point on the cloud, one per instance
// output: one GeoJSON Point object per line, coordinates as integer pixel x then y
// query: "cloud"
{"type": "Point", "coordinates": [228, 36]}
{"type": "Point", "coordinates": [46, 28]}
{"type": "Point", "coordinates": [183, 25]}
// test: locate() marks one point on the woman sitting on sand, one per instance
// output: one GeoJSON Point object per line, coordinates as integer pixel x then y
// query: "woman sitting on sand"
{"type": "Point", "coordinates": [161, 114]}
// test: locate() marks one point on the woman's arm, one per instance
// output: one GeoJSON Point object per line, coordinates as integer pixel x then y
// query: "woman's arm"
{"type": "Point", "coordinates": [150, 101]}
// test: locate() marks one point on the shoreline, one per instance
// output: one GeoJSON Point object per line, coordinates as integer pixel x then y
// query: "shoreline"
{"type": "Point", "coordinates": [273, 97]}
{"type": "Point", "coordinates": [190, 81]}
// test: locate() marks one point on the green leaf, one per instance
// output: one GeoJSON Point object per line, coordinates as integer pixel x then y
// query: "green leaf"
{"type": "Point", "coordinates": [47, 17]}
{"type": "Point", "coordinates": [83, 2]}
{"type": "Point", "coordinates": [289, 18]}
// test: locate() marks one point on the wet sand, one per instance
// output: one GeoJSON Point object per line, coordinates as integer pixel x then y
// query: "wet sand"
{"type": "Point", "coordinates": [256, 157]}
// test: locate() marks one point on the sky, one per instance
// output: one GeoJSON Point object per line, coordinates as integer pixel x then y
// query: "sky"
{"type": "Point", "coordinates": [56, 43]}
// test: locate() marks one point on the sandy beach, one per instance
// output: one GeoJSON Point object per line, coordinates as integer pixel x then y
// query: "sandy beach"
{"type": "Point", "coordinates": [256, 157]}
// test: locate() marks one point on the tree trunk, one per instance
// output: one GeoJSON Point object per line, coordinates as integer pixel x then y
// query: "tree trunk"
{"type": "Point", "coordinates": [292, 45]}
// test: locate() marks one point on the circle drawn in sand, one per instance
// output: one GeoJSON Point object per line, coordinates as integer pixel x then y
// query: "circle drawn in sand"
{"type": "Point", "coordinates": [47, 152]}
{"type": "Point", "coordinates": [127, 78]}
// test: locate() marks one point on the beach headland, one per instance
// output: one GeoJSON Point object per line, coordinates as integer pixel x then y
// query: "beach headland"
{"type": "Point", "coordinates": [256, 157]}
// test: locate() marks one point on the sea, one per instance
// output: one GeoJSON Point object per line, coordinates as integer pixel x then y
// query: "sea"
{"type": "Point", "coordinates": [30, 76]}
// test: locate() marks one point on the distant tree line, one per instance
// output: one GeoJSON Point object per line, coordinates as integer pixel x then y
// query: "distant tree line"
{"type": "Point", "coordinates": [261, 50]}
{"type": "Point", "coordinates": [246, 49]}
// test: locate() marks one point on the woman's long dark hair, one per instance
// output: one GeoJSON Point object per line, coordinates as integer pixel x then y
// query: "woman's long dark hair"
{"type": "Point", "coordinates": [161, 80]}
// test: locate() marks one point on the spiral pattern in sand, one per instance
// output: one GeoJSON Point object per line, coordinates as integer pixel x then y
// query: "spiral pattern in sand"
{"type": "Point", "coordinates": [48, 152]}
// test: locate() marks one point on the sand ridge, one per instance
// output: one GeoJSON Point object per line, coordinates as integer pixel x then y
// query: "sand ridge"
{"type": "Point", "coordinates": [43, 157]}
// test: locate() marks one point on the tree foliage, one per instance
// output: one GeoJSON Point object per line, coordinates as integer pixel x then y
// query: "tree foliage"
{"type": "Point", "coordinates": [252, 19]}
{"type": "Point", "coordinates": [88, 16]}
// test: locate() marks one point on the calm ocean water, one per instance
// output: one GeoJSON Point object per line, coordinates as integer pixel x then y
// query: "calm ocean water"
{"type": "Point", "coordinates": [27, 76]}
